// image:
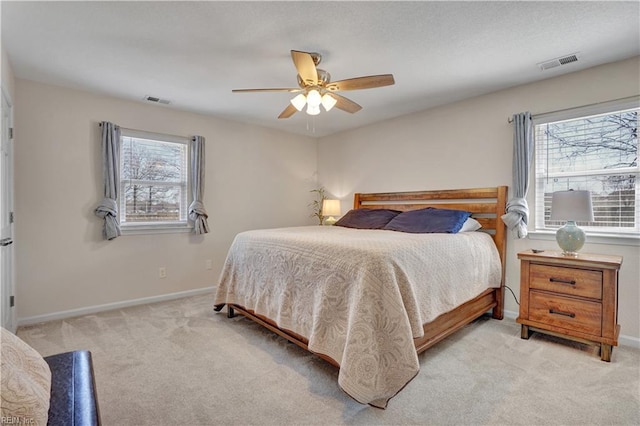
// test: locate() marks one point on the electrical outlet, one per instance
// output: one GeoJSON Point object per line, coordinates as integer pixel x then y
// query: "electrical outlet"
{"type": "Point", "coordinates": [162, 272]}
{"type": "Point", "coordinates": [209, 264]}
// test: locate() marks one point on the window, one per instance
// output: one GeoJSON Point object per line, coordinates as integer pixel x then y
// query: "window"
{"type": "Point", "coordinates": [598, 153]}
{"type": "Point", "coordinates": [154, 185]}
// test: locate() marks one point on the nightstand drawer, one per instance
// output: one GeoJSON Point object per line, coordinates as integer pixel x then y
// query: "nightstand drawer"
{"type": "Point", "coordinates": [571, 281]}
{"type": "Point", "coordinates": [571, 314]}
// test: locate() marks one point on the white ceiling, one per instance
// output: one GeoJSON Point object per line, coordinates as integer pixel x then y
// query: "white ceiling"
{"type": "Point", "coordinates": [194, 53]}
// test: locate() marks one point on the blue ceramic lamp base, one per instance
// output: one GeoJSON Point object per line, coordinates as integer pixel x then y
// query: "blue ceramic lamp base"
{"type": "Point", "coordinates": [570, 238]}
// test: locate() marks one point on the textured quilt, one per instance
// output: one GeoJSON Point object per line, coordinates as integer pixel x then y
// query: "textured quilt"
{"type": "Point", "coordinates": [358, 296]}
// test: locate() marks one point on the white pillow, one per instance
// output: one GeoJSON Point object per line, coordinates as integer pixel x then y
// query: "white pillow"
{"type": "Point", "coordinates": [25, 387]}
{"type": "Point", "coordinates": [470, 225]}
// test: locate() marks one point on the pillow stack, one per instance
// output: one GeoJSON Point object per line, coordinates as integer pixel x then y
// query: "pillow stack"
{"type": "Point", "coordinates": [422, 221]}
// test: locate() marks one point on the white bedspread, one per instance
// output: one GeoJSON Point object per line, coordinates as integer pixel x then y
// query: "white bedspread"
{"type": "Point", "coordinates": [359, 296]}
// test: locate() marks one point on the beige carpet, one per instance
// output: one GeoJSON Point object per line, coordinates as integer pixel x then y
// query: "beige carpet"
{"type": "Point", "coordinates": [179, 363]}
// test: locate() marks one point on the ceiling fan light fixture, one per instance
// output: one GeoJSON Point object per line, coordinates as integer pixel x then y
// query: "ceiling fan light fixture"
{"type": "Point", "coordinates": [315, 87]}
{"type": "Point", "coordinates": [313, 110]}
{"type": "Point", "coordinates": [299, 101]}
{"type": "Point", "coordinates": [314, 99]}
{"type": "Point", "coordinates": [328, 102]}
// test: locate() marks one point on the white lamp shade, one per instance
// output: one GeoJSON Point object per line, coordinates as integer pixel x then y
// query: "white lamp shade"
{"type": "Point", "coordinates": [328, 101]}
{"type": "Point", "coordinates": [331, 208]}
{"type": "Point", "coordinates": [313, 98]}
{"type": "Point", "coordinates": [313, 110]}
{"type": "Point", "coordinates": [299, 101]}
{"type": "Point", "coordinates": [572, 205]}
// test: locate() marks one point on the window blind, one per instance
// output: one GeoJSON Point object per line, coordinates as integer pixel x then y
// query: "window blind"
{"type": "Point", "coordinates": [154, 180]}
{"type": "Point", "coordinates": [598, 153]}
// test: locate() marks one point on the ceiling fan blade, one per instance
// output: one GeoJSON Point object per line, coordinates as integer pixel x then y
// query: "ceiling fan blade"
{"type": "Point", "coordinates": [288, 111]}
{"type": "Point", "coordinates": [345, 104]}
{"type": "Point", "coordinates": [277, 89]}
{"type": "Point", "coordinates": [368, 82]}
{"type": "Point", "coordinates": [305, 66]}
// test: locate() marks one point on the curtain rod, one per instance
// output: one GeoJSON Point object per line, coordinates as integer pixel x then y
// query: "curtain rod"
{"type": "Point", "coordinates": [629, 98]}
{"type": "Point", "coordinates": [162, 134]}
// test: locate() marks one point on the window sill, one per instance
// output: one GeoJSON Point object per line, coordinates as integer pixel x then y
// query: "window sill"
{"type": "Point", "coordinates": [609, 239]}
{"type": "Point", "coordinates": [156, 229]}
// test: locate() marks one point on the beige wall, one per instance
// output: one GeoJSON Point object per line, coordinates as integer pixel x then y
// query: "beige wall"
{"type": "Point", "coordinates": [469, 144]}
{"type": "Point", "coordinates": [255, 178]}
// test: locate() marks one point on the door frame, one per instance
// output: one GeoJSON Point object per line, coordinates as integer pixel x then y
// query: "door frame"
{"type": "Point", "coordinates": [7, 253]}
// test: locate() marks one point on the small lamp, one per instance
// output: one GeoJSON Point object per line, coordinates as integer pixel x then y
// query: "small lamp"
{"type": "Point", "coordinates": [331, 208]}
{"type": "Point", "coordinates": [571, 206]}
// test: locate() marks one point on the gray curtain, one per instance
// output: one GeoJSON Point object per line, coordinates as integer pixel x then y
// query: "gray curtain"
{"type": "Point", "coordinates": [197, 212]}
{"type": "Point", "coordinates": [108, 207]}
{"type": "Point", "coordinates": [517, 212]}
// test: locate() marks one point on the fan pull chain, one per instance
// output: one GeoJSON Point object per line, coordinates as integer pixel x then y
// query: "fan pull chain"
{"type": "Point", "coordinates": [313, 124]}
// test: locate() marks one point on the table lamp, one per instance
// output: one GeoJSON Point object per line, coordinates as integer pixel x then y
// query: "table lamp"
{"type": "Point", "coordinates": [330, 208]}
{"type": "Point", "coordinates": [571, 206]}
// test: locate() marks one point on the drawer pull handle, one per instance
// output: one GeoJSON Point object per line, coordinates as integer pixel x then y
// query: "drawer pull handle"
{"type": "Point", "coordinates": [558, 280]}
{"type": "Point", "coordinates": [566, 314]}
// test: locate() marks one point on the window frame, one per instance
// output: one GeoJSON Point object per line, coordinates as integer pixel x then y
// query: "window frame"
{"type": "Point", "coordinates": [594, 235]}
{"type": "Point", "coordinates": [137, 228]}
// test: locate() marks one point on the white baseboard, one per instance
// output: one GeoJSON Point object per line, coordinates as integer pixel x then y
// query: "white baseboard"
{"type": "Point", "coordinates": [111, 306]}
{"type": "Point", "coordinates": [632, 342]}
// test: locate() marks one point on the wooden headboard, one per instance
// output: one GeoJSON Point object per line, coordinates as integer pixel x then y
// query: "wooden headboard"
{"type": "Point", "coordinates": [487, 205]}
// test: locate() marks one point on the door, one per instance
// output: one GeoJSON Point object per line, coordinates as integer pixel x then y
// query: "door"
{"type": "Point", "coordinates": [7, 310]}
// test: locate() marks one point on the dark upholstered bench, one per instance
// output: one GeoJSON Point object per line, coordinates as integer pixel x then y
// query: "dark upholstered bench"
{"type": "Point", "coordinates": [73, 390]}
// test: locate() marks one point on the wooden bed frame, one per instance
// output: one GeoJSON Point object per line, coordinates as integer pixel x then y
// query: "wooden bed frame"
{"type": "Point", "coordinates": [487, 205]}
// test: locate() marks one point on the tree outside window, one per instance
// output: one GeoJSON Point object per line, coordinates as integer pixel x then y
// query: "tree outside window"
{"type": "Point", "coordinates": [153, 181]}
{"type": "Point", "coordinates": [599, 154]}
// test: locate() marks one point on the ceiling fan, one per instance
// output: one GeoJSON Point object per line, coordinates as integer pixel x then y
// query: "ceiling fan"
{"type": "Point", "coordinates": [316, 88]}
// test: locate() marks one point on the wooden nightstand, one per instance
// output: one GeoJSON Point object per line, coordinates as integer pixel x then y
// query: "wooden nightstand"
{"type": "Point", "coordinates": [571, 297]}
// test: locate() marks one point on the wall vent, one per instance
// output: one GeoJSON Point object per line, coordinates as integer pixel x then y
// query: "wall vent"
{"type": "Point", "coordinates": [564, 60]}
{"type": "Point", "coordinates": [157, 100]}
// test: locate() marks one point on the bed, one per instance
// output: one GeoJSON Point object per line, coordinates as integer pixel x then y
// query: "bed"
{"type": "Point", "coordinates": [369, 300]}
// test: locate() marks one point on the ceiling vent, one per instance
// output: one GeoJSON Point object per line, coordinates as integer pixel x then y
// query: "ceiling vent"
{"type": "Point", "coordinates": [564, 60]}
{"type": "Point", "coordinates": [157, 100]}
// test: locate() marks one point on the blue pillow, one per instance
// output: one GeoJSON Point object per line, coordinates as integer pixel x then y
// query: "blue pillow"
{"type": "Point", "coordinates": [367, 218]}
{"type": "Point", "coordinates": [429, 220]}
